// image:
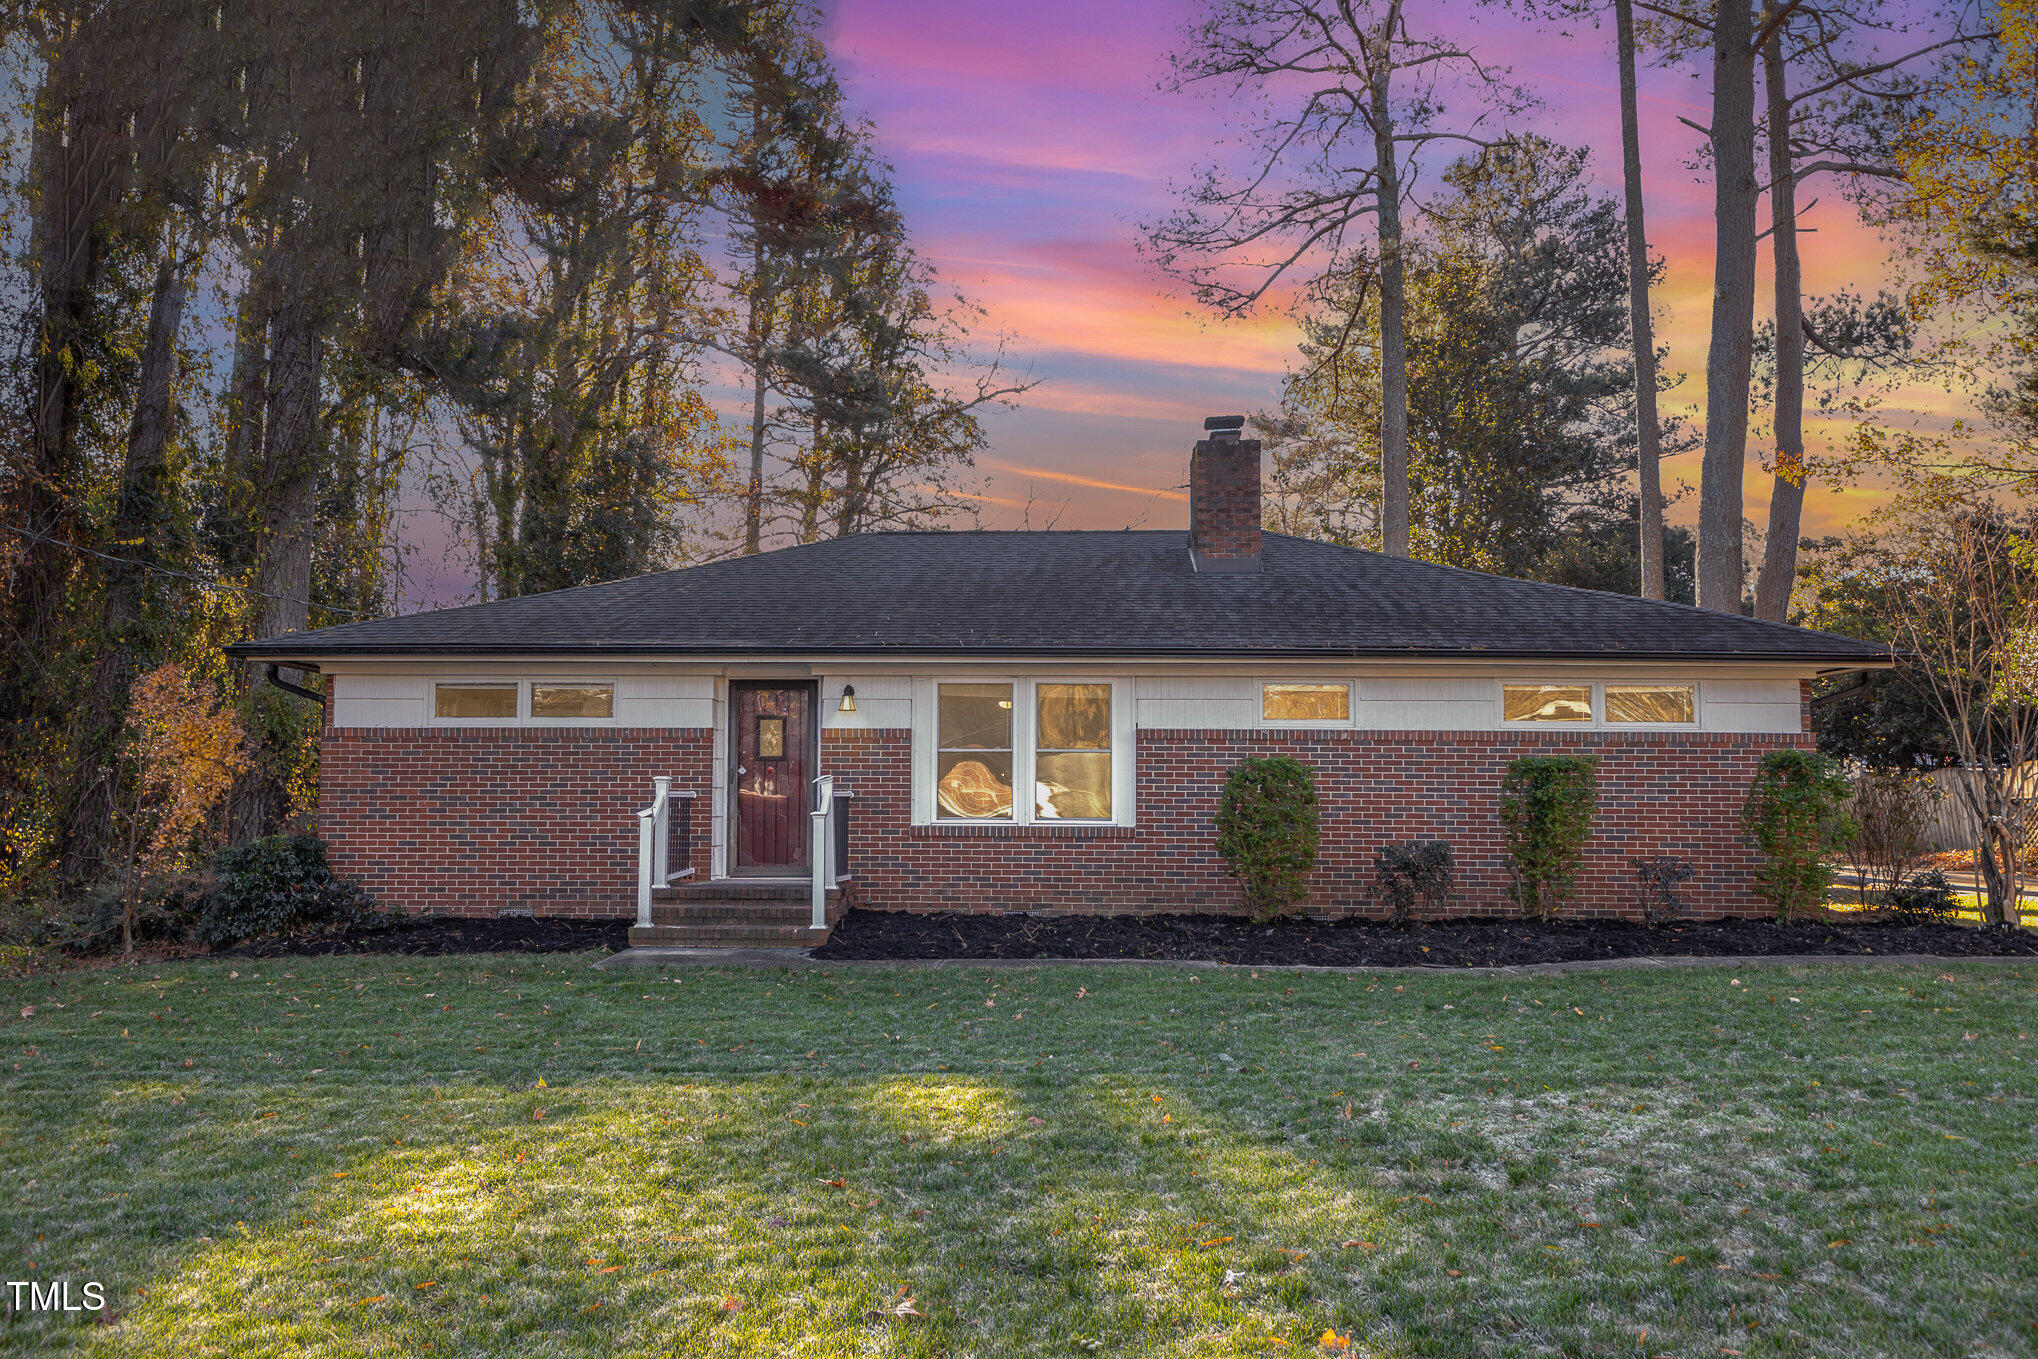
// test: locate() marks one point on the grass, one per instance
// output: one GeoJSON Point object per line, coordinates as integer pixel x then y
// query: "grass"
{"type": "Point", "coordinates": [522, 1156]}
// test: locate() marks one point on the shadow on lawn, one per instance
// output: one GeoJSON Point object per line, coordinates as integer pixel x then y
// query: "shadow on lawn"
{"type": "Point", "coordinates": [634, 1213]}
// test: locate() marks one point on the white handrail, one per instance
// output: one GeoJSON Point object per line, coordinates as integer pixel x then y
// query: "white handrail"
{"type": "Point", "coordinates": [823, 855]}
{"type": "Point", "coordinates": [654, 843]}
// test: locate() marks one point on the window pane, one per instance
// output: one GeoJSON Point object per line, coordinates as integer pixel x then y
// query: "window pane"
{"type": "Point", "coordinates": [476, 700]}
{"type": "Point", "coordinates": [1651, 703]}
{"type": "Point", "coordinates": [1547, 702]}
{"type": "Point", "coordinates": [974, 786]}
{"type": "Point", "coordinates": [976, 717]}
{"type": "Point", "coordinates": [1073, 786]}
{"type": "Point", "coordinates": [573, 700]}
{"type": "Point", "coordinates": [1305, 702]}
{"type": "Point", "coordinates": [1074, 717]}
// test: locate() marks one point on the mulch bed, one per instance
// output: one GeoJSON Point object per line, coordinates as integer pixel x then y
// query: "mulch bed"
{"type": "Point", "coordinates": [1365, 943]}
{"type": "Point", "coordinates": [439, 936]}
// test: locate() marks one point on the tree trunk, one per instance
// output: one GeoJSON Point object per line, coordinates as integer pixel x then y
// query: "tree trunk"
{"type": "Point", "coordinates": [287, 486]}
{"type": "Point", "coordinates": [1786, 497]}
{"type": "Point", "coordinates": [1720, 568]}
{"type": "Point", "coordinates": [74, 161]}
{"type": "Point", "coordinates": [1649, 446]}
{"type": "Point", "coordinates": [1394, 495]}
{"type": "Point", "coordinates": [134, 535]}
{"type": "Point", "coordinates": [753, 500]}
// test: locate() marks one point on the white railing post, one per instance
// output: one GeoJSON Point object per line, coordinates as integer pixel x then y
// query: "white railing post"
{"type": "Point", "coordinates": [823, 814]}
{"type": "Point", "coordinates": [646, 822]}
{"type": "Point", "coordinates": [661, 833]}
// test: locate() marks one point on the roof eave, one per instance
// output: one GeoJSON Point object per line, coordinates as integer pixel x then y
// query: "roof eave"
{"type": "Point", "coordinates": [1867, 659]}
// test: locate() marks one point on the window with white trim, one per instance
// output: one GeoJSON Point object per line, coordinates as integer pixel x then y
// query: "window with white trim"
{"type": "Point", "coordinates": [1072, 752]}
{"type": "Point", "coordinates": [1027, 751]}
{"type": "Point", "coordinates": [518, 702]}
{"type": "Point", "coordinates": [973, 763]}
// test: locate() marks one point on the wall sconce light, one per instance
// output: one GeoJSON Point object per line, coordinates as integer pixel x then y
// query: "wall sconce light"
{"type": "Point", "coordinates": [848, 703]}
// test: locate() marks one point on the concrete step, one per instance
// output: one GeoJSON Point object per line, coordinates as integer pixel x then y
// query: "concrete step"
{"type": "Point", "coordinates": [682, 912]}
{"type": "Point", "coordinates": [727, 935]}
{"type": "Point", "coordinates": [732, 889]}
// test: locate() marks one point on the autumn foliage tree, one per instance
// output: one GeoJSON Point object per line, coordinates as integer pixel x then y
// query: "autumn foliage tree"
{"type": "Point", "coordinates": [183, 750]}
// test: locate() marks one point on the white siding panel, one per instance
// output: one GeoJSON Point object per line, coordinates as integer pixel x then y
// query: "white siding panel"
{"type": "Point", "coordinates": [380, 701]}
{"type": "Point", "coordinates": [1457, 714]}
{"type": "Point", "coordinates": [1428, 690]}
{"type": "Point", "coordinates": [1183, 702]}
{"type": "Point", "coordinates": [1750, 705]}
{"type": "Point", "coordinates": [665, 701]}
{"type": "Point", "coordinates": [1750, 691]}
{"type": "Point", "coordinates": [882, 702]}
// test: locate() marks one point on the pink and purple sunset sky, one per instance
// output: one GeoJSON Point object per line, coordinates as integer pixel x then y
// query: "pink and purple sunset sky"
{"type": "Point", "coordinates": [1029, 140]}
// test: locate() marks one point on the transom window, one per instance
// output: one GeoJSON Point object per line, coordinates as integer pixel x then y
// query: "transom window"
{"type": "Point", "coordinates": [573, 700]}
{"type": "Point", "coordinates": [1305, 702]}
{"type": "Point", "coordinates": [1622, 704]}
{"type": "Point", "coordinates": [1546, 702]}
{"type": "Point", "coordinates": [506, 700]}
{"type": "Point", "coordinates": [1664, 703]}
{"type": "Point", "coordinates": [485, 701]}
{"type": "Point", "coordinates": [1025, 751]}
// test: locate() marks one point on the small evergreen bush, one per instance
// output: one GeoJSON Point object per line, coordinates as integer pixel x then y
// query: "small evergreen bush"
{"type": "Point", "coordinates": [281, 884]}
{"type": "Point", "coordinates": [1923, 899]}
{"type": "Point", "coordinates": [1416, 869]}
{"type": "Point", "coordinates": [1796, 812]}
{"type": "Point", "coordinates": [1659, 876]}
{"type": "Point", "coordinates": [1267, 831]}
{"type": "Point", "coordinates": [1546, 808]}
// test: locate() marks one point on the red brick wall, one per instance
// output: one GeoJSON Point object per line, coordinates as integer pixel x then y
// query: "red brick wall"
{"type": "Point", "coordinates": [1658, 794]}
{"type": "Point", "coordinates": [476, 820]}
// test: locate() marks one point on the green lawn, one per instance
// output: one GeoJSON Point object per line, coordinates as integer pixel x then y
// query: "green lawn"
{"type": "Point", "coordinates": [515, 1156]}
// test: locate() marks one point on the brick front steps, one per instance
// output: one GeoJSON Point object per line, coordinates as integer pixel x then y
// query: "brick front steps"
{"type": "Point", "coordinates": [735, 914]}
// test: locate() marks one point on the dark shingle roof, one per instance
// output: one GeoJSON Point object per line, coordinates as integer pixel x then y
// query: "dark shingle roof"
{"type": "Point", "coordinates": [1072, 593]}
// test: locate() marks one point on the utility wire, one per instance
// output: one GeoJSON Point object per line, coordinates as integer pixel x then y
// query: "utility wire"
{"type": "Point", "coordinates": [181, 575]}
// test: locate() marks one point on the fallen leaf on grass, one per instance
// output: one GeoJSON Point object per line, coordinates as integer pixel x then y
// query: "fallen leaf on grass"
{"type": "Point", "coordinates": [377, 1298]}
{"type": "Point", "coordinates": [1213, 1241]}
{"type": "Point", "coordinates": [430, 1283]}
{"type": "Point", "coordinates": [732, 1304]}
{"type": "Point", "coordinates": [1333, 1341]}
{"type": "Point", "coordinates": [1835, 1245]}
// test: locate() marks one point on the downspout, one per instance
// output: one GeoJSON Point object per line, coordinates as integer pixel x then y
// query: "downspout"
{"type": "Point", "coordinates": [270, 672]}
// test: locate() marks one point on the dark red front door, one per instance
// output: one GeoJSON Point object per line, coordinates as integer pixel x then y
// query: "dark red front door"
{"type": "Point", "coordinates": [773, 757]}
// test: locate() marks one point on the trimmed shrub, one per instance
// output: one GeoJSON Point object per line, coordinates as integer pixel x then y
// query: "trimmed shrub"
{"type": "Point", "coordinates": [277, 885]}
{"type": "Point", "coordinates": [1546, 807]}
{"type": "Point", "coordinates": [1659, 876]}
{"type": "Point", "coordinates": [1796, 813]}
{"type": "Point", "coordinates": [1923, 899]}
{"type": "Point", "coordinates": [1267, 831]}
{"type": "Point", "coordinates": [1417, 869]}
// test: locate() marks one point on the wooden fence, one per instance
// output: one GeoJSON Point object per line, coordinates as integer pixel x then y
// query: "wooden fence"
{"type": "Point", "coordinates": [1954, 826]}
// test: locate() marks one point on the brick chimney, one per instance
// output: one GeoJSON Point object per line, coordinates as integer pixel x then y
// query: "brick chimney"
{"type": "Point", "coordinates": [1224, 499]}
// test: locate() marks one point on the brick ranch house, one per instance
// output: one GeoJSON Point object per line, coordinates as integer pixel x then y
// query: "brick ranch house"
{"type": "Point", "coordinates": [1025, 721]}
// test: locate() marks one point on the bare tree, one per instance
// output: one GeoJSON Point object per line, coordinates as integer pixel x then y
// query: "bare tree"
{"type": "Point", "coordinates": [1967, 612]}
{"type": "Point", "coordinates": [1370, 86]}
